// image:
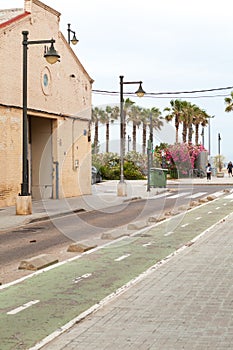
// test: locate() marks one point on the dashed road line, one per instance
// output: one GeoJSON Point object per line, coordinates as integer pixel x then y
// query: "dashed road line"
{"type": "Point", "coordinates": [122, 257]}
{"type": "Point", "coordinates": [80, 278]}
{"type": "Point", "coordinates": [185, 225]}
{"type": "Point", "coordinates": [168, 233]}
{"type": "Point", "coordinates": [22, 307]}
{"type": "Point", "coordinates": [147, 244]}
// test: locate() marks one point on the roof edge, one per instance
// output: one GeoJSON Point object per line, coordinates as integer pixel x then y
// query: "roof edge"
{"type": "Point", "coordinates": [46, 7]}
{"type": "Point", "coordinates": [75, 57]}
{"type": "Point", "coordinates": [15, 19]}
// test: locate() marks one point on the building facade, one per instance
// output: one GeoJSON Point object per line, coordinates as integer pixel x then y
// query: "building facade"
{"type": "Point", "coordinates": [58, 109]}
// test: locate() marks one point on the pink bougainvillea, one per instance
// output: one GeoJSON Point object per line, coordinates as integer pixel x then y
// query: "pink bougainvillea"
{"type": "Point", "coordinates": [180, 157]}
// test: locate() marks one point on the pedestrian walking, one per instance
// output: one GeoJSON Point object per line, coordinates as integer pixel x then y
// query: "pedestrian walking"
{"type": "Point", "coordinates": [229, 168]}
{"type": "Point", "coordinates": [208, 171]}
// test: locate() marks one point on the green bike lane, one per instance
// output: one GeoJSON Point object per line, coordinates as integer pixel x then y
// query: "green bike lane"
{"type": "Point", "coordinates": [38, 306]}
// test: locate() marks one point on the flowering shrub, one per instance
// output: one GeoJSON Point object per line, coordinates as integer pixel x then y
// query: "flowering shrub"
{"type": "Point", "coordinates": [179, 158]}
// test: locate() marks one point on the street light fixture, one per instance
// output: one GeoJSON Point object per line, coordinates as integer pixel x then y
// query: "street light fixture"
{"type": "Point", "coordinates": [121, 188]}
{"type": "Point", "coordinates": [74, 40]}
{"type": "Point", "coordinates": [51, 57]}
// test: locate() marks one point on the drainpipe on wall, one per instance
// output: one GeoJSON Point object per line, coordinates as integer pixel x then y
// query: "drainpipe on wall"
{"type": "Point", "coordinates": [56, 179]}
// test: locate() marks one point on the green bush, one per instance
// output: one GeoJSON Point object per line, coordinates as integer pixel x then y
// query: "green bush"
{"type": "Point", "coordinates": [110, 173]}
{"type": "Point", "coordinates": [109, 165]}
{"type": "Point", "coordinates": [132, 172]}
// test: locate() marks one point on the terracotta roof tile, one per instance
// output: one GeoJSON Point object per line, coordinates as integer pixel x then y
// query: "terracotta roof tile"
{"type": "Point", "coordinates": [7, 15]}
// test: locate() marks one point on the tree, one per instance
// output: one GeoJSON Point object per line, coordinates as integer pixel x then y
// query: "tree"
{"type": "Point", "coordinates": [97, 113]}
{"type": "Point", "coordinates": [229, 103]}
{"type": "Point", "coordinates": [150, 116]}
{"type": "Point", "coordinates": [187, 121]}
{"type": "Point", "coordinates": [174, 112]}
{"type": "Point", "coordinates": [126, 110]}
{"type": "Point", "coordinates": [109, 116]}
{"type": "Point", "coordinates": [134, 116]}
{"type": "Point", "coordinates": [157, 119]}
{"type": "Point", "coordinates": [200, 117]}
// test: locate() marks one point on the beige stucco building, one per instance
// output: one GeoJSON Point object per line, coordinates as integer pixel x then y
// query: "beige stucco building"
{"type": "Point", "coordinates": [59, 109]}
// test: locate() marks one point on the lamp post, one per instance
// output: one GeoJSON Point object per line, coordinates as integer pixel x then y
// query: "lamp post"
{"type": "Point", "coordinates": [74, 40]}
{"type": "Point", "coordinates": [149, 153]}
{"type": "Point", "coordinates": [121, 188]}
{"type": "Point", "coordinates": [23, 204]}
{"type": "Point", "coordinates": [129, 140]}
{"type": "Point", "coordinates": [209, 140]}
{"type": "Point", "coordinates": [203, 137]}
{"type": "Point", "coordinates": [219, 160]}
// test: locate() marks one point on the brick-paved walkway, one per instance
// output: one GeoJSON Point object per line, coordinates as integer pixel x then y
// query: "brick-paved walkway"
{"type": "Point", "coordinates": [186, 303]}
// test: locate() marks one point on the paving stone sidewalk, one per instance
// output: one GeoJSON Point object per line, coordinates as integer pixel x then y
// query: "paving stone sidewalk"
{"type": "Point", "coordinates": [183, 303]}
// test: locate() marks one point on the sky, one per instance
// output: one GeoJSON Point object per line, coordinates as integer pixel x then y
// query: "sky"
{"type": "Point", "coordinates": [169, 45]}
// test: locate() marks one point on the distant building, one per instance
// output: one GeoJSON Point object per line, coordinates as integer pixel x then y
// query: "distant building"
{"type": "Point", "coordinates": [59, 109]}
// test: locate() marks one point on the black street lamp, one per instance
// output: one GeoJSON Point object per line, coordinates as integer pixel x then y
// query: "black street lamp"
{"type": "Point", "coordinates": [219, 157]}
{"type": "Point", "coordinates": [52, 57]}
{"type": "Point", "coordinates": [121, 189]}
{"type": "Point", "coordinates": [203, 137]}
{"type": "Point", "coordinates": [149, 153]}
{"type": "Point", "coordinates": [129, 140]}
{"type": "Point", "coordinates": [74, 40]}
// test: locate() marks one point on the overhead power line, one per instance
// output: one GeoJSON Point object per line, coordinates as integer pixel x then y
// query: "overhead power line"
{"type": "Point", "coordinates": [163, 94]}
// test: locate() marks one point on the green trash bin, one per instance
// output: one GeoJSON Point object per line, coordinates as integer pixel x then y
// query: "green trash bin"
{"type": "Point", "coordinates": [158, 177]}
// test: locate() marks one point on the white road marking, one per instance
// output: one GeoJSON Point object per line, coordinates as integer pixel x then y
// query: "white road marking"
{"type": "Point", "coordinates": [198, 218]}
{"type": "Point", "coordinates": [198, 194]}
{"type": "Point", "coordinates": [147, 244]}
{"type": "Point", "coordinates": [168, 233]}
{"type": "Point", "coordinates": [80, 278]}
{"type": "Point", "coordinates": [230, 196]}
{"type": "Point", "coordinates": [179, 195]}
{"type": "Point", "coordinates": [184, 225]}
{"type": "Point", "coordinates": [122, 257]}
{"type": "Point", "coordinates": [23, 307]}
{"type": "Point", "coordinates": [217, 194]}
{"type": "Point", "coordinates": [159, 195]}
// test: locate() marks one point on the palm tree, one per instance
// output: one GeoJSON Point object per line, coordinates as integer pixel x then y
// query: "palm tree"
{"type": "Point", "coordinates": [229, 103]}
{"type": "Point", "coordinates": [126, 110]}
{"type": "Point", "coordinates": [200, 118]}
{"type": "Point", "coordinates": [95, 117]}
{"type": "Point", "coordinates": [109, 116]}
{"type": "Point", "coordinates": [150, 115]}
{"type": "Point", "coordinates": [157, 119]}
{"type": "Point", "coordinates": [175, 111]}
{"type": "Point", "coordinates": [134, 116]}
{"type": "Point", "coordinates": [186, 118]}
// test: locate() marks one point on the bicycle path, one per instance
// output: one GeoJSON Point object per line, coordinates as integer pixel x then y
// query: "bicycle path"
{"type": "Point", "coordinates": [44, 303]}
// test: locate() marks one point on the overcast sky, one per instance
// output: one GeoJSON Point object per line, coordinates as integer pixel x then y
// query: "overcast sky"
{"type": "Point", "coordinates": [171, 45]}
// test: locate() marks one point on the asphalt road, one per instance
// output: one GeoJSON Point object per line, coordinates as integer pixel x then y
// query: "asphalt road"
{"type": "Point", "coordinates": [39, 238]}
{"type": "Point", "coordinates": [43, 304]}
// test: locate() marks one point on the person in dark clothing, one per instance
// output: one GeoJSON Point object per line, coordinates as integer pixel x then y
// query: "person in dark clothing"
{"type": "Point", "coordinates": [208, 171]}
{"type": "Point", "coordinates": [229, 168]}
